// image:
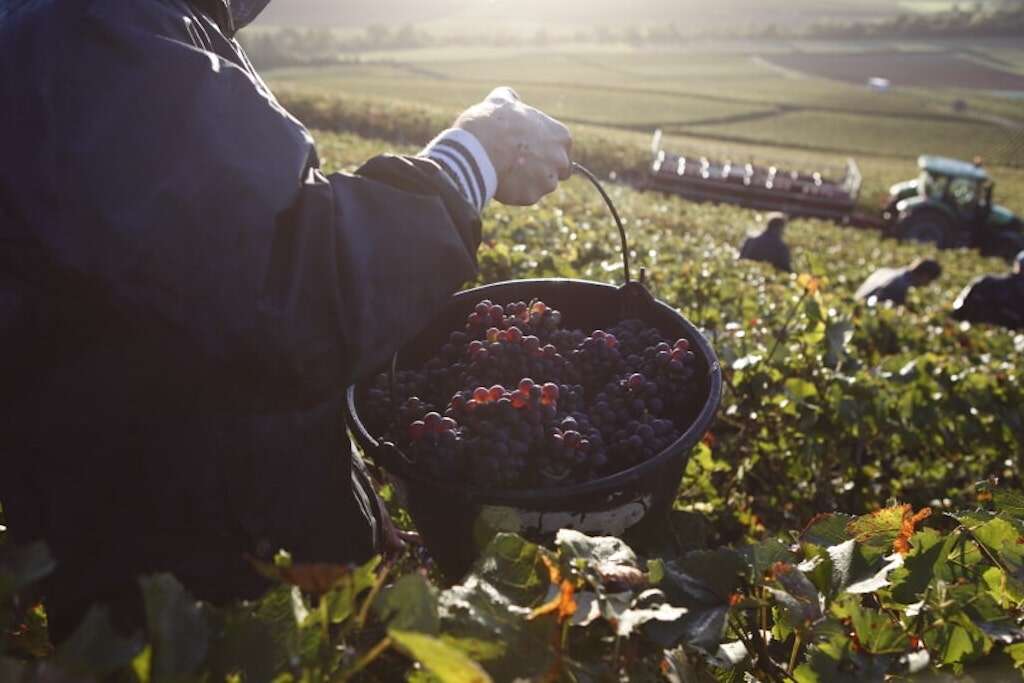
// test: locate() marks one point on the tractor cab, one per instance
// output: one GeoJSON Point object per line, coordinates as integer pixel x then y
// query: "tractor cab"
{"type": "Point", "coordinates": [950, 204]}
{"type": "Point", "coordinates": [963, 187]}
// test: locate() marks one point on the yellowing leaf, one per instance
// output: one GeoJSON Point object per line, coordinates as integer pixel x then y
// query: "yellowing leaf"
{"type": "Point", "coordinates": [809, 283]}
{"type": "Point", "coordinates": [315, 577]}
{"type": "Point", "coordinates": [563, 603]}
{"type": "Point", "coordinates": [447, 663]}
{"type": "Point", "coordinates": [893, 525]}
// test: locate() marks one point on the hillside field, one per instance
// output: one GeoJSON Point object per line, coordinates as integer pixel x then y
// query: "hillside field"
{"type": "Point", "coordinates": [722, 92]}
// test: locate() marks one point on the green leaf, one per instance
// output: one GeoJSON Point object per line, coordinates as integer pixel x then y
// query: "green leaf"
{"type": "Point", "coordinates": [702, 582]}
{"type": "Point", "coordinates": [492, 603]}
{"type": "Point", "coordinates": [631, 619]}
{"type": "Point", "coordinates": [956, 640]}
{"type": "Point", "coordinates": [21, 566]}
{"type": "Point", "coordinates": [1016, 654]}
{"type": "Point", "coordinates": [879, 529]}
{"type": "Point", "coordinates": [95, 648]}
{"type": "Point", "coordinates": [763, 555]}
{"type": "Point", "coordinates": [1009, 501]}
{"type": "Point", "coordinates": [827, 530]}
{"type": "Point", "coordinates": [852, 563]}
{"type": "Point", "coordinates": [838, 334]}
{"type": "Point", "coordinates": [876, 631]}
{"type": "Point", "coordinates": [1001, 538]}
{"type": "Point", "coordinates": [245, 643]}
{"type": "Point", "coordinates": [596, 550]}
{"type": "Point", "coordinates": [879, 580]}
{"type": "Point", "coordinates": [655, 571]}
{"type": "Point", "coordinates": [141, 664]}
{"type": "Point", "coordinates": [177, 628]}
{"type": "Point", "coordinates": [477, 650]}
{"type": "Point", "coordinates": [341, 599]}
{"type": "Point", "coordinates": [276, 611]}
{"type": "Point", "coordinates": [410, 604]}
{"type": "Point", "coordinates": [835, 661]}
{"type": "Point", "coordinates": [797, 595]}
{"type": "Point", "coordinates": [513, 565]}
{"type": "Point", "coordinates": [926, 561]}
{"type": "Point", "coordinates": [444, 661]}
{"type": "Point", "coordinates": [800, 390]}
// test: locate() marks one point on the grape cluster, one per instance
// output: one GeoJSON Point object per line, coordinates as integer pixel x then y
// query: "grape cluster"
{"type": "Point", "coordinates": [575, 451]}
{"type": "Point", "coordinates": [505, 356]}
{"type": "Point", "coordinates": [514, 400]}
{"type": "Point", "coordinates": [596, 359]}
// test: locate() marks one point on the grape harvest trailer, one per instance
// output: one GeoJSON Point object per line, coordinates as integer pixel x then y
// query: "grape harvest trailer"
{"type": "Point", "coordinates": [809, 194]}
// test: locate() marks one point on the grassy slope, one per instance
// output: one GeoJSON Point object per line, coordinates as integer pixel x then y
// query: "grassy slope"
{"type": "Point", "coordinates": [713, 94]}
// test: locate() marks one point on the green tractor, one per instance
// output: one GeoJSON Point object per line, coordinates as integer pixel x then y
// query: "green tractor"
{"type": "Point", "coordinates": [950, 204]}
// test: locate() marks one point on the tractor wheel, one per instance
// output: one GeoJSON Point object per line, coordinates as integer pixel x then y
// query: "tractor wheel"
{"type": "Point", "coordinates": [928, 226]}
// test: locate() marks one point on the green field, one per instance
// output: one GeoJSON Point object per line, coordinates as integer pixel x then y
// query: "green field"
{"type": "Point", "coordinates": [724, 93]}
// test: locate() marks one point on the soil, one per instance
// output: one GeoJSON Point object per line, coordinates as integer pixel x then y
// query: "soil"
{"type": "Point", "coordinates": [909, 69]}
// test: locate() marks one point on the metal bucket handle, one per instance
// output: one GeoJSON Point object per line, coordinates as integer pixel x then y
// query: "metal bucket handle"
{"type": "Point", "coordinates": [579, 168]}
{"type": "Point", "coordinates": [635, 295]}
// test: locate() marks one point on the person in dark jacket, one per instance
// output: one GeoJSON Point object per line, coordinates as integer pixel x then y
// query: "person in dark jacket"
{"type": "Point", "coordinates": [768, 246]}
{"type": "Point", "coordinates": [184, 295]}
{"type": "Point", "coordinates": [892, 284]}
{"type": "Point", "coordinates": [994, 300]}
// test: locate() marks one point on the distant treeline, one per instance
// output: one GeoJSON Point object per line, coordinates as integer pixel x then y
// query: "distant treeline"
{"type": "Point", "coordinates": [1006, 20]}
{"type": "Point", "coordinates": [305, 47]}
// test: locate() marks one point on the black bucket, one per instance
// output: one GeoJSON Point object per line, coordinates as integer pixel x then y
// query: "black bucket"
{"type": "Point", "coordinates": [456, 520]}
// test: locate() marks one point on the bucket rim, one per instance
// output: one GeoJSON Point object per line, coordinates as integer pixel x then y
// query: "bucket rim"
{"type": "Point", "coordinates": [610, 484]}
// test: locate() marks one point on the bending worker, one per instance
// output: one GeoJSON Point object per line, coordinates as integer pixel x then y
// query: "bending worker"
{"type": "Point", "coordinates": [769, 246]}
{"type": "Point", "coordinates": [184, 295]}
{"type": "Point", "coordinates": [892, 284]}
{"type": "Point", "coordinates": [995, 300]}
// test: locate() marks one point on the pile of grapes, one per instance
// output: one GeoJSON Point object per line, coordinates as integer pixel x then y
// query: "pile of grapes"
{"type": "Point", "coordinates": [513, 400]}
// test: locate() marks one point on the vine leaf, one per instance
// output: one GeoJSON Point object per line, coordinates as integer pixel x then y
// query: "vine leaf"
{"type": "Point", "coordinates": [956, 640]}
{"type": "Point", "coordinates": [876, 632]}
{"type": "Point", "coordinates": [703, 582]}
{"type": "Point", "coordinates": [926, 561]}
{"type": "Point", "coordinates": [827, 529]}
{"type": "Point", "coordinates": [95, 648]}
{"type": "Point", "coordinates": [796, 594]}
{"type": "Point", "coordinates": [410, 604]}
{"type": "Point", "coordinates": [446, 662]}
{"type": "Point", "coordinates": [889, 526]}
{"type": "Point", "coordinates": [313, 577]}
{"type": "Point", "coordinates": [177, 627]}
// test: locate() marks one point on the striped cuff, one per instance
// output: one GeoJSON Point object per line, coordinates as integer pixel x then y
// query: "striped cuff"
{"type": "Point", "coordinates": [464, 159]}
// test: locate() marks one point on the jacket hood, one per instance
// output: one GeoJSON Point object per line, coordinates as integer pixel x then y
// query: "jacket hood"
{"type": "Point", "coordinates": [244, 11]}
{"type": "Point", "coordinates": [231, 15]}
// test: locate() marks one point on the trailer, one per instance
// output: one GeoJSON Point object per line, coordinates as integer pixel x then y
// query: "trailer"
{"type": "Point", "coordinates": [797, 193]}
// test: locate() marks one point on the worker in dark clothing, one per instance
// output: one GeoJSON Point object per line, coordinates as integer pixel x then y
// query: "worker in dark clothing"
{"type": "Point", "coordinates": [892, 284]}
{"type": "Point", "coordinates": [994, 300]}
{"type": "Point", "coordinates": [768, 246]}
{"type": "Point", "coordinates": [184, 295]}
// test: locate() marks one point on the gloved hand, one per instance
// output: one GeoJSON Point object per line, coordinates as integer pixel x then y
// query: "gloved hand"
{"type": "Point", "coordinates": [528, 148]}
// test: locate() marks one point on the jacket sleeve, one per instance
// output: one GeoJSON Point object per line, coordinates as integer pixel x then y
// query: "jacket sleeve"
{"type": "Point", "coordinates": [195, 199]}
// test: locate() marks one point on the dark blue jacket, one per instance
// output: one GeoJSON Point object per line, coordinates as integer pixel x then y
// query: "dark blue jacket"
{"type": "Point", "coordinates": [769, 248]}
{"type": "Point", "coordinates": [886, 284]}
{"type": "Point", "coordinates": [184, 297]}
{"type": "Point", "coordinates": [993, 300]}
